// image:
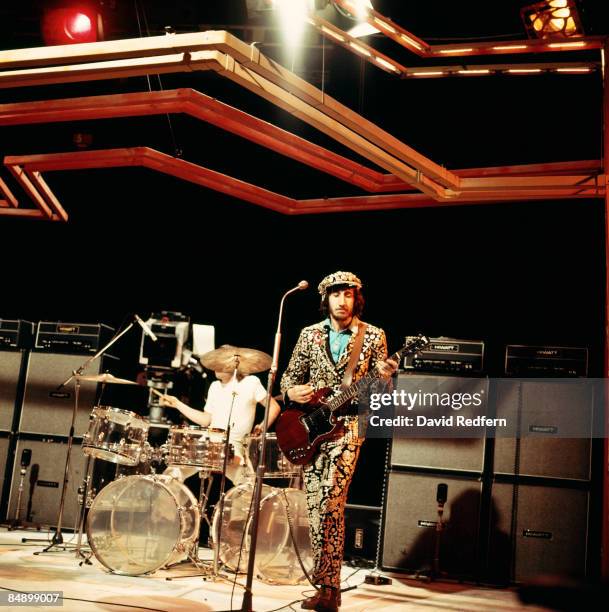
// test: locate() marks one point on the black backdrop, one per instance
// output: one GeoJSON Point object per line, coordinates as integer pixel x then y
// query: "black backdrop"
{"type": "Point", "coordinates": [137, 241]}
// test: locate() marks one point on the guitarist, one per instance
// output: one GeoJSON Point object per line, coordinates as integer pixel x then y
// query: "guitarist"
{"type": "Point", "coordinates": [322, 358]}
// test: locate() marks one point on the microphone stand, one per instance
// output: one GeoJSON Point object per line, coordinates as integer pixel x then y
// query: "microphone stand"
{"type": "Point", "coordinates": [246, 605]}
{"type": "Point", "coordinates": [435, 570]}
{"type": "Point", "coordinates": [57, 539]}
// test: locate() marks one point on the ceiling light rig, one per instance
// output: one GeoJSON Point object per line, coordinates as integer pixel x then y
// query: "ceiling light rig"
{"type": "Point", "coordinates": [363, 10]}
{"type": "Point", "coordinates": [475, 70]}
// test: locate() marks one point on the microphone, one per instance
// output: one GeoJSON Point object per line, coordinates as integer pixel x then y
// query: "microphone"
{"type": "Point", "coordinates": [26, 456]}
{"type": "Point", "coordinates": [146, 329]}
{"type": "Point", "coordinates": [442, 493]}
{"type": "Point", "coordinates": [303, 284]}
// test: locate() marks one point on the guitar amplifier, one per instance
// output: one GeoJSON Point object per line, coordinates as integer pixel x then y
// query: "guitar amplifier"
{"type": "Point", "coordinates": [447, 356]}
{"type": "Point", "coordinates": [75, 338]}
{"type": "Point", "coordinates": [543, 361]}
{"type": "Point", "coordinates": [16, 334]}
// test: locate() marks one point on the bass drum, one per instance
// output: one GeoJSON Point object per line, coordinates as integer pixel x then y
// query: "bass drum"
{"type": "Point", "coordinates": [138, 524]}
{"type": "Point", "coordinates": [276, 560]}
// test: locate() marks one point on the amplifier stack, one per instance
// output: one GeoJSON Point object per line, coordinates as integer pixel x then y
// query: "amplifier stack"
{"type": "Point", "coordinates": [518, 506]}
{"type": "Point", "coordinates": [35, 414]}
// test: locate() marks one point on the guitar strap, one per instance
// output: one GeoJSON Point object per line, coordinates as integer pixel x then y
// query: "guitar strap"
{"type": "Point", "coordinates": [355, 352]}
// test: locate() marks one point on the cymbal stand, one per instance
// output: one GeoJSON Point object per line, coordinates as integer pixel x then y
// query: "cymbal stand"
{"type": "Point", "coordinates": [57, 539]}
{"type": "Point", "coordinates": [224, 467]}
{"type": "Point", "coordinates": [214, 573]}
{"type": "Point", "coordinates": [84, 494]}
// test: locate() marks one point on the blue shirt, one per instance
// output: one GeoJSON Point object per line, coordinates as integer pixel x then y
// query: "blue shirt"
{"type": "Point", "coordinates": [338, 340]}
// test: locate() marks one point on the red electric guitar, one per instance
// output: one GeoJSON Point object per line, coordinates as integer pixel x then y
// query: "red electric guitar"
{"type": "Point", "coordinates": [301, 428]}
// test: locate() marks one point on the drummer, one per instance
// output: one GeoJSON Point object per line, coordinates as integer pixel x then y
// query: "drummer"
{"type": "Point", "coordinates": [248, 391]}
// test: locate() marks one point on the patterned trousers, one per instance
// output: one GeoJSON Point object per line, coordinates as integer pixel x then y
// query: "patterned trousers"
{"type": "Point", "coordinates": [327, 481]}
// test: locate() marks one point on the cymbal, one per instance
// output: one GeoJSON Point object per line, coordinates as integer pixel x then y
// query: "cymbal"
{"type": "Point", "coordinates": [106, 377]}
{"type": "Point", "coordinates": [227, 357]}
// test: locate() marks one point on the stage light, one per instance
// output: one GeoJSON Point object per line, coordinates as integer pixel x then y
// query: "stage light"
{"type": "Point", "coordinates": [293, 17]}
{"type": "Point", "coordinates": [552, 19]}
{"type": "Point", "coordinates": [350, 18]}
{"type": "Point", "coordinates": [65, 23]}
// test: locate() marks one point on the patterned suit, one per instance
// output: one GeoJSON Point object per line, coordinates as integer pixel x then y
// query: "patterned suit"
{"type": "Point", "coordinates": [328, 477]}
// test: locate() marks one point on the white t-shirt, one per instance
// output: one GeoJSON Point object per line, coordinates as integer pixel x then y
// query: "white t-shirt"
{"type": "Point", "coordinates": [249, 392]}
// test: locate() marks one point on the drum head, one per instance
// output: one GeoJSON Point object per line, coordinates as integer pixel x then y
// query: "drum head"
{"type": "Point", "coordinates": [282, 512]}
{"type": "Point", "coordinates": [135, 525]}
{"type": "Point", "coordinates": [234, 543]}
{"type": "Point", "coordinates": [115, 435]}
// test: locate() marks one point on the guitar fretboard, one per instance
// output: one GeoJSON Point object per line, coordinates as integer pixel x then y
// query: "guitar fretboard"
{"type": "Point", "coordinates": [348, 394]}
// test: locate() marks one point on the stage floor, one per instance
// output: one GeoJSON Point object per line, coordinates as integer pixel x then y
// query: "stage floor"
{"type": "Point", "coordinates": [22, 570]}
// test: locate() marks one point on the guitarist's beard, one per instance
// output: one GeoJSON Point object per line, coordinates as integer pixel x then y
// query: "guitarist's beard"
{"type": "Point", "coordinates": [342, 314]}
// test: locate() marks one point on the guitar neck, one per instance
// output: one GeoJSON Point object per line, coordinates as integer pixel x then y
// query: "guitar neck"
{"type": "Point", "coordinates": [348, 394]}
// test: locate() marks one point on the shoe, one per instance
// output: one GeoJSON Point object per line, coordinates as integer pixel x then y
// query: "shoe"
{"type": "Point", "coordinates": [323, 597]}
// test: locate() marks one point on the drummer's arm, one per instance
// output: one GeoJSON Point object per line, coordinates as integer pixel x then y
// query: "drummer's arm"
{"type": "Point", "coordinates": [196, 416]}
{"type": "Point", "coordinates": [274, 411]}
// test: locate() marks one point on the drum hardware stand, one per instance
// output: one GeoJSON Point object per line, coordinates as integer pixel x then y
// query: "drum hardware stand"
{"type": "Point", "coordinates": [57, 539]}
{"type": "Point", "coordinates": [84, 494]}
{"type": "Point", "coordinates": [204, 494]}
{"type": "Point", "coordinates": [213, 572]}
{"type": "Point", "coordinates": [204, 475]}
{"type": "Point", "coordinates": [246, 605]}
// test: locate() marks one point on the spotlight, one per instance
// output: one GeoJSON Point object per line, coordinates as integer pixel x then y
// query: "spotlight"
{"type": "Point", "coordinates": [552, 19]}
{"type": "Point", "coordinates": [349, 16]}
{"type": "Point", "coordinates": [65, 23]}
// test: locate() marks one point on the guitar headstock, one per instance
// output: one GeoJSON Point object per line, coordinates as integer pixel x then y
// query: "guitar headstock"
{"type": "Point", "coordinates": [414, 345]}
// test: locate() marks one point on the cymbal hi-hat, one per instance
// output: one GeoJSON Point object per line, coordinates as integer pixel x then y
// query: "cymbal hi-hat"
{"type": "Point", "coordinates": [106, 377]}
{"type": "Point", "coordinates": [227, 357]}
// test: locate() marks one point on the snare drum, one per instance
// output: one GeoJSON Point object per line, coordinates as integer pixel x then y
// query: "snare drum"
{"type": "Point", "coordinates": [115, 435]}
{"type": "Point", "coordinates": [138, 524]}
{"type": "Point", "coordinates": [196, 446]}
{"type": "Point", "coordinates": [276, 464]}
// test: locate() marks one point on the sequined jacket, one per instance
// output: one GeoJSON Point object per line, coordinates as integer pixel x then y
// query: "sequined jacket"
{"type": "Point", "coordinates": [312, 362]}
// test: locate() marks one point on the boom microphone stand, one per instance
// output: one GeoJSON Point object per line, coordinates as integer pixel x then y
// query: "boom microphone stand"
{"type": "Point", "coordinates": [57, 539]}
{"type": "Point", "coordinates": [246, 606]}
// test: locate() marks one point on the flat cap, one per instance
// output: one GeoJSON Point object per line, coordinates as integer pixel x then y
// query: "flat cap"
{"type": "Point", "coordinates": [339, 278]}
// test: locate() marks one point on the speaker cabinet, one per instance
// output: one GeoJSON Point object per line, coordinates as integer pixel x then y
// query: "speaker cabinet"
{"type": "Point", "coordinates": [547, 534]}
{"type": "Point", "coordinates": [409, 525]}
{"type": "Point", "coordinates": [10, 367]}
{"type": "Point", "coordinates": [43, 481]}
{"type": "Point", "coordinates": [450, 453]}
{"type": "Point", "coordinates": [560, 409]}
{"type": "Point", "coordinates": [462, 454]}
{"type": "Point", "coordinates": [5, 470]}
{"type": "Point", "coordinates": [47, 410]}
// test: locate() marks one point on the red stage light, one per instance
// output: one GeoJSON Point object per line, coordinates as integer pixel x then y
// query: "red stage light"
{"type": "Point", "coordinates": [79, 25]}
{"type": "Point", "coordinates": [68, 24]}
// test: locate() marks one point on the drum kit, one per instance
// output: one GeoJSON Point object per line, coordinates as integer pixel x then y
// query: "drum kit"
{"type": "Point", "coordinates": [138, 524]}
